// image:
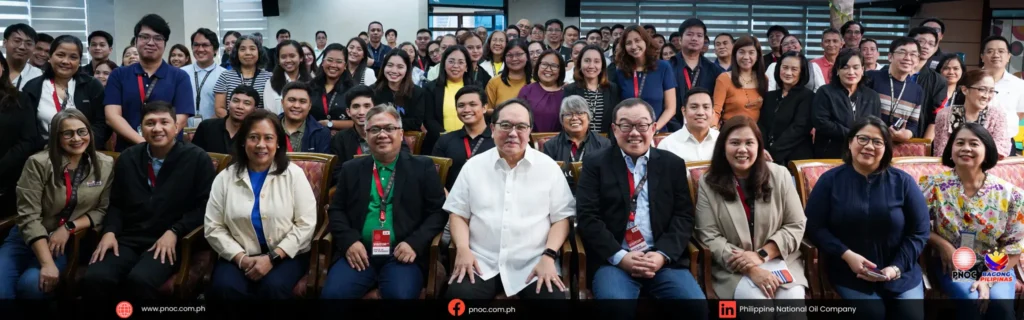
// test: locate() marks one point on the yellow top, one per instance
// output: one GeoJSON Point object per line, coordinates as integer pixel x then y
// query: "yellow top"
{"type": "Point", "coordinates": [498, 92]}
{"type": "Point", "coordinates": [497, 66]}
{"type": "Point", "coordinates": [449, 112]}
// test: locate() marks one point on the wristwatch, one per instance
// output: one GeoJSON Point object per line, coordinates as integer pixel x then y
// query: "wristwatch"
{"type": "Point", "coordinates": [274, 256]}
{"type": "Point", "coordinates": [551, 253]}
{"type": "Point", "coordinates": [763, 254]}
{"type": "Point", "coordinates": [70, 226]}
{"type": "Point", "coordinates": [330, 124]}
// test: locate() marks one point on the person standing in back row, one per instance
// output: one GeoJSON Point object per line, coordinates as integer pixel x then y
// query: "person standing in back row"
{"type": "Point", "coordinates": [204, 69]}
{"type": "Point", "coordinates": [376, 50]}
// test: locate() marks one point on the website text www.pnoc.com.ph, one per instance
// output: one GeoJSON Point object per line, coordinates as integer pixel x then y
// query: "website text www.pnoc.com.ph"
{"type": "Point", "coordinates": [192, 309]}
{"type": "Point", "coordinates": [503, 310]}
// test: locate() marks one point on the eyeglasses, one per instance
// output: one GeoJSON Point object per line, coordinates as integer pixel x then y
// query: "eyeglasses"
{"type": "Point", "coordinates": [69, 134]}
{"type": "Point", "coordinates": [986, 90]}
{"type": "Point", "coordinates": [144, 38]}
{"type": "Point", "coordinates": [387, 130]}
{"type": "Point", "coordinates": [899, 53]}
{"type": "Point", "coordinates": [569, 116]}
{"type": "Point", "coordinates": [18, 42]}
{"type": "Point", "coordinates": [863, 141]}
{"type": "Point", "coordinates": [516, 55]}
{"type": "Point", "coordinates": [549, 66]}
{"type": "Point", "coordinates": [457, 63]}
{"type": "Point", "coordinates": [628, 127]}
{"type": "Point", "coordinates": [508, 126]}
{"type": "Point", "coordinates": [554, 30]}
{"type": "Point", "coordinates": [202, 45]}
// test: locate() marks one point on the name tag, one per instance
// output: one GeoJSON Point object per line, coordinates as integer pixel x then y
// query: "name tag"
{"type": "Point", "coordinates": [96, 183]}
{"type": "Point", "coordinates": [381, 242]}
{"type": "Point", "coordinates": [635, 240]}
{"type": "Point", "coordinates": [967, 240]}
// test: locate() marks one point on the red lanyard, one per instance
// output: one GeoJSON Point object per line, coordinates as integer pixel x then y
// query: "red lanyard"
{"type": "Point", "coordinates": [686, 75]}
{"type": "Point", "coordinates": [382, 193]}
{"type": "Point", "coordinates": [359, 149]}
{"type": "Point", "coordinates": [152, 176]}
{"type": "Point", "coordinates": [67, 187]}
{"type": "Point", "coordinates": [325, 104]}
{"type": "Point", "coordinates": [743, 200]}
{"type": "Point", "coordinates": [573, 150]}
{"type": "Point", "coordinates": [636, 85]}
{"type": "Point", "coordinates": [420, 61]}
{"type": "Point", "coordinates": [288, 142]}
{"type": "Point", "coordinates": [632, 189]}
{"type": "Point", "coordinates": [471, 152]}
{"type": "Point", "coordinates": [56, 101]}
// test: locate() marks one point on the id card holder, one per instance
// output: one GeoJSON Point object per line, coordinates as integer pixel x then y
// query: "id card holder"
{"type": "Point", "coordinates": [635, 240]}
{"type": "Point", "coordinates": [381, 242]}
{"type": "Point", "coordinates": [195, 120]}
{"type": "Point", "coordinates": [967, 240]}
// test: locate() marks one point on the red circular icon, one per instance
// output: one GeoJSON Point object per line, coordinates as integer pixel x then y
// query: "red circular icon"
{"type": "Point", "coordinates": [964, 259]}
{"type": "Point", "coordinates": [124, 309]}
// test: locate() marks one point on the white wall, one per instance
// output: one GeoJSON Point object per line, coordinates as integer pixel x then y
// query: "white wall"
{"type": "Point", "coordinates": [539, 11]}
{"type": "Point", "coordinates": [344, 19]}
{"type": "Point", "coordinates": [128, 13]}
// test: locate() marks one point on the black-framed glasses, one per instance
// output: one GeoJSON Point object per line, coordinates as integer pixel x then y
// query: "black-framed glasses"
{"type": "Point", "coordinates": [628, 127]}
{"type": "Point", "coordinates": [69, 134]}
{"type": "Point", "coordinates": [568, 116]}
{"type": "Point", "coordinates": [387, 129]}
{"type": "Point", "coordinates": [507, 126]}
{"type": "Point", "coordinates": [985, 90]}
{"type": "Point", "coordinates": [864, 140]}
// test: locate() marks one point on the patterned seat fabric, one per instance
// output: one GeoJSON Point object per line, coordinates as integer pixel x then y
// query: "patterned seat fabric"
{"type": "Point", "coordinates": [314, 171]}
{"type": "Point", "coordinates": [410, 141]}
{"type": "Point", "coordinates": [202, 261]}
{"type": "Point", "coordinates": [910, 149]}
{"type": "Point", "coordinates": [1011, 172]}
{"type": "Point", "coordinates": [812, 173]}
{"type": "Point", "coordinates": [919, 170]}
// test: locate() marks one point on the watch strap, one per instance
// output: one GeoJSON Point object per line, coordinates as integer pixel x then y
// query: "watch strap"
{"type": "Point", "coordinates": [551, 253]}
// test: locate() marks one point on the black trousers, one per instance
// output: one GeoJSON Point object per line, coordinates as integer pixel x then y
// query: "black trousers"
{"type": "Point", "coordinates": [134, 274]}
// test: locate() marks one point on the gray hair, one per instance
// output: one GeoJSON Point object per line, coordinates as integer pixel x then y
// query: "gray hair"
{"type": "Point", "coordinates": [384, 108]}
{"type": "Point", "coordinates": [575, 104]}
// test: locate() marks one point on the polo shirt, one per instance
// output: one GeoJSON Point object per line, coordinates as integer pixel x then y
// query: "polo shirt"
{"type": "Point", "coordinates": [1011, 99]}
{"type": "Point", "coordinates": [377, 55]}
{"type": "Point", "coordinates": [203, 80]}
{"type": "Point", "coordinates": [172, 86]}
{"type": "Point", "coordinates": [908, 107]}
{"type": "Point", "coordinates": [452, 145]}
{"type": "Point", "coordinates": [372, 221]}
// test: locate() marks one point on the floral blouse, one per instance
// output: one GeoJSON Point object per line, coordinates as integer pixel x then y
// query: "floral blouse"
{"type": "Point", "coordinates": [995, 214]}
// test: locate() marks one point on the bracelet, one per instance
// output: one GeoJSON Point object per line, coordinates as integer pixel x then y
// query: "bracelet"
{"type": "Point", "coordinates": [240, 261]}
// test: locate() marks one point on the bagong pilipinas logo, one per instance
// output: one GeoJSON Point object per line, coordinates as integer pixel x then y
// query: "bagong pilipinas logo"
{"type": "Point", "coordinates": [996, 261]}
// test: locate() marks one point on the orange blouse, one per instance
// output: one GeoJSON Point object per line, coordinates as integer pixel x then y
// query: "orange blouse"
{"type": "Point", "coordinates": [731, 101]}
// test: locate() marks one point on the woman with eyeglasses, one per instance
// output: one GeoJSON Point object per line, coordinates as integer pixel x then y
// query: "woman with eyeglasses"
{"type": "Point", "coordinates": [546, 93]}
{"type": "Point", "coordinates": [358, 62]}
{"type": "Point", "coordinates": [977, 104]}
{"type": "Point", "coordinates": [641, 74]}
{"type": "Point", "coordinates": [434, 52]}
{"type": "Point", "coordinates": [839, 104]}
{"type": "Point", "coordinates": [328, 86]}
{"type": "Point", "coordinates": [475, 46]}
{"type": "Point", "coordinates": [516, 73]}
{"type": "Point", "coordinates": [247, 60]}
{"type": "Point", "coordinates": [535, 48]}
{"type": "Point", "coordinates": [494, 57]}
{"type": "Point", "coordinates": [395, 87]}
{"type": "Point", "coordinates": [442, 114]}
{"type": "Point", "coordinates": [979, 211]}
{"type": "Point", "coordinates": [290, 67]}
{"type": "Point", "coordinates": [870, 224]}
{"type": "Point", "coordinates": [309, 58]}
{"type": "Point", "coordinates": [63, 87]}
{"type": "Point", "coordinates": [576, 139]}
{"type": "Point", "coordinates": [62, 190]}
{"type": "Point", "coordinates": [591, 83]}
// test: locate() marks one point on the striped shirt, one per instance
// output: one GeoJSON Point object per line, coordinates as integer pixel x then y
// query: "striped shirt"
{"type": "Point", "coordinates": [229, 80]}
{"type": "Point", "coordinates": [595, 100]}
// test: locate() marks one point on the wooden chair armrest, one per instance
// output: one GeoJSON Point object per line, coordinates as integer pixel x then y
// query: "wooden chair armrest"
{"type": "Point", "coordinates": [703, 273]}
{"type": "Point", "coordinates": [73, 254]}
{"type": "Point", "coordinates": [193, 241]}
{"type": "Point", "coordinates": [566, 254]}
{"type": "Point", "coordinates": [583, 291]}
{"type": "Point", "coordinates": [810, 254]}
{"type": "Point", "coordinates": [318, 274]}
{"type": "Point", "coordinates": [922, 260]}
{"type": "Point", "coordinates": [432, 288]}
{"type": "Point", "coordinates": [6, 224]}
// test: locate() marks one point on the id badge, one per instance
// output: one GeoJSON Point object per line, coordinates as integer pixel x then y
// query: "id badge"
{"type": "Point", "coordinates": [381, 242]}
{"type": "Point", "coordinates": [967, 240]}
{"type": "Point", "coordinates": [635, 239]}
{"type": "Point", "coordinates": [193, 122]}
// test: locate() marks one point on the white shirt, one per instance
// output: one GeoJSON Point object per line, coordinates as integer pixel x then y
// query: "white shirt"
{"type": "Point", "coordinates": [510, 211]}
{"type": "Point", "coordinates": [317, 53]}
{"type": "Point", "coordinates": [272, 99]}
{"type": "Point", "coordinates": [205, 94]}
{"type": "Point", "coordinates": [684, 145]}
{"type": "Point", "coordinates": [47, 109]}
{"type": "Point", "coordinates": [28, 73]}
{"type": "Point", "coordinates": [1011, 98]}
{"type": "Point", "coordinates": [816, 80]}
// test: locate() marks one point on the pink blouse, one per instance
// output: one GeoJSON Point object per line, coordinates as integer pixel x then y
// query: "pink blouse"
{"type": "Point", "coordinates": [995, 122]}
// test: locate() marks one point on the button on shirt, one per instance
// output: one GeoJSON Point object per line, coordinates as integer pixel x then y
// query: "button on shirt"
{"type": "Point", "coordinates": [686, 146]}
{"type": "Point", "coordinates": [1011, 98]}
{"type": "Point", "coordinates": [643, 207]}
{"type": "Point", "coordinates": [510, 211]}
{"type": "Point", "coordinates": [205, 94]}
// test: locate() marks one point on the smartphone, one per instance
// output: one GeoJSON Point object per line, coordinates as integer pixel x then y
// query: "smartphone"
{"type": "Point", "coordinates": [874, 272]}
{"type": "Point", "coordinates": [898, 125]}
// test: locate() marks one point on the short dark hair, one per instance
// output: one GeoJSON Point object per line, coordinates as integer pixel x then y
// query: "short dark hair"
{"type": "Point", "coordinates": [236, 34]}
{"type": "Point", "coordinates": [282, 31]}
{"type": "Point", "coordinates": [805, 72]}
{"type": "Point", "coordinates": [902, 41]}
{"type": "Point", "coordinates": [295, 85]}
{"type": "Point", "coordinates": [423, 30]}
{"type": "Point", "coordinates": [984, 43]}
{"type": "Point", "coordinates": [866, 40]}
{"type": "Point", "coordinates": [695, 91]}
{"type": "Point", "coordinates": [241, 159]}
{"type": "Point", "coordinates": [20, 27]}
{"type": "Point", "coordinates": [598, 32]}
{"type": "Point", "coordinates": [155, 22]}
{"type": "Point", "coordinates": [673, 35]}
{"type": "Point", "coordinates": [658, 35]}
{"type": "Point", "coordinates": [391, 31]}
{"type": "Point", "coordinates": [247, 91]}
{"type": "Point", "coordinates": [603, 28]}
{"type": "Point", "coordinates": [319, 32]}
{"type": "Point", "coordinates": [942, 25]}
{"type": "Point", "coordinates": [629, 103]}
{"type": "Point", "coordinates": [914, 32]}
{"type": "Point", "coordinates": [363, 33]}
{"type": "Point", "coordinates": [846, 26]}
{"type": "Point", "coordinates": [44, 38]}
{"type": "Point", "coordinates": [692, 22]}
{"type": "Point", "coordinates": [158, 106]}
{"type": "Point", "coordinates": [841, 61]}
{"type": "Point", "coordinates": [829, 30]}
{"type": "Point", "coordinates": [501, 106]}
{"type": "Point", "coordinates": [991, 152]}
{"type": "Point", "coordinates": [618, 26]}
{"type": "Point", "coordinates": [471, 89]}
{"type": "Point", "coordinates": [100, 33]}
{"type": "Point", "coordinates": [560, 80]}
{"type": "Point", "coordinates": [878, 123]}
{"type": "Point", "coordinates": [209, 35]}
{"type": "Point", "coordinates": [373, 23]}
{"type": "Point", "coordinates": [356, 92]}
{"type": "Point", "coordinates": [785, 32]}
{"type": "Point", "coordinates": [650, 26]}
{"type": "Point", "coordinates": [553, 21]}
{"type": "Point", "coordinates": [573, 28]}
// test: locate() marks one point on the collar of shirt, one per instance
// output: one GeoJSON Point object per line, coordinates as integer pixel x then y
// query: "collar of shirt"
{"type": "Point", "coordinates": [157, 163]}
{"type": "Point", "coordinates": [196, 68]}
{"type": "Point", "coordinates": [300, 129]}
{"type": "Point", "coordinates": [161, 72]}
{"type": "Point", "coordinates": [641, 162]}
{"type": "Point", "coordinates": [465, 133]}
{"type": "Point", "coordinates": [389, 167]}
{"type": "Point", "coordinates": [501, 164]}
{"type": "Point", "coordinates": [689, 138]}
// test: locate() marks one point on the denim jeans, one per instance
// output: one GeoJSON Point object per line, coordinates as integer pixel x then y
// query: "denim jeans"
{"type": "Point", "coordinates": [19, 269]}
{"type": "Point", "coordinates": [886, 305]}
{"type": "Point", "coordinates": [611, 282]}
{"type": "Point", "coordinates": [1001, 296]}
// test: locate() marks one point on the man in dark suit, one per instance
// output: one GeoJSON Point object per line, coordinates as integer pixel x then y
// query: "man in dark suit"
{"type": "Point", "coordinates": [636, 217]}
{"type": "Point", "coordinates": [384, 243]}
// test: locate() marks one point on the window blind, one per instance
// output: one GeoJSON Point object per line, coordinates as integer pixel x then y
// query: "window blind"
{"type": "Point", "coordinates": [244, 16]}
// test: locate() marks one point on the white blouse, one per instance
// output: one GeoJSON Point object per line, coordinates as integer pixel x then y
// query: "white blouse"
{"type": "Point", "coordinates": [47, 109]}
{"type": "Point", "coordinates": [510, 211]}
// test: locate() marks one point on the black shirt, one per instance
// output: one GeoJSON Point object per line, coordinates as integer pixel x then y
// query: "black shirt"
{"type": "Point", "coordinates": [452, 145]}
{"type": "Point", "coordinates": [212, 136]}
{"type": "Point", "coordinates": [412, 109]}
{"type": "Point", "coordinates": [335, 99]}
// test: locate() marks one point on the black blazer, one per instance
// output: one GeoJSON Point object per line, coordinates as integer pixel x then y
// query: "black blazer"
{"type": "Point", "coordinates": [610, 95]}
{"type": "Point", "coordinates": [19, 139]}
{"type": "Point", "coordinates": [785, 124]}
{"type": "Point", "coordinates": [344, 145]}
{"type": "Point", "coordinates": [88, 99]}
{"type": "Point", "coordinates": [416, 204]}
{"type": "Point", "coordinates": [602, 205]}
{"type": "Point", "coordinates": [433, 118]}
{"type": "Point", "coordinates": [412, 110]}
{"type": "Point", "coordinates": [832, 116]}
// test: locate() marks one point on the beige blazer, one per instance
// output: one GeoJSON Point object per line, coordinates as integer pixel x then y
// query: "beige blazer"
{"type": "Point", "coordinates": [41, 198]}
{"type": "Point", "coordinates": [722, 226]}
{"type": "Point", "coordinates": [287, 210]}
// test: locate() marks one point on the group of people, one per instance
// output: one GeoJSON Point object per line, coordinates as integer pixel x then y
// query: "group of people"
{"type": "Point", "coordinates": [506, 206]}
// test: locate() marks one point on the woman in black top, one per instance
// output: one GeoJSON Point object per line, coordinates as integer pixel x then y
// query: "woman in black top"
{"type": "Point", "coordinates": [358, 62]}
{"type": "Point", "coordinates": [329, 85]}
{"type": "Point", "coordinates": [448, 75]}
{"type": "Point", "coordinates": [591, 83]}
{"type": "Point", "coordinates": [61, 74]}
{"type": "Point", "coordinates": [395, 86]}
{"type": "Point", "coordinates": [785, 116]}
{"type": "Point", "coordinates": [19, 138]}
{"type": "Point", "coordinates": [841, 102]}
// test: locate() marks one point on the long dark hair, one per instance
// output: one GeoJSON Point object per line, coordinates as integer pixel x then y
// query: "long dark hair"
{"type": "Point", "coordinates": [357, 74]}
{"type": "Point", "coordinates": [57, 153]}
{"type": "Point", "coordinates": [842, 61]}
{"type": "Point", "coordinates": [442, 75]}
{"type": "Point", "coordinates": [626, 63]}
{"type": "Point", "coordinates": [238, 153]}
{"type": "Point", "coordinates": [48, 72]}
{"type": "Point", "coordinates": [236, 63]}
{"type": "Point", "coordinates": [577, 73]}
{"type": "Point", "coordinates": [405, 86]}
{"type": "Point", "coordinates": [527, 69]}
{"type": "Point", "coordinates": [277, 80]}
{"type": "Point", "coordinates": [488, 54]}
{"type": "Point", "coordinates": [320, 79]}
{"type": "Point", "coordinates": [757, 69]}
{"type": "Point", "coordinates": [722, 179]}
{"type": "Point", "coordinates": [415, 58]}
{"type": "Point", "coordinates": [10, 93]}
